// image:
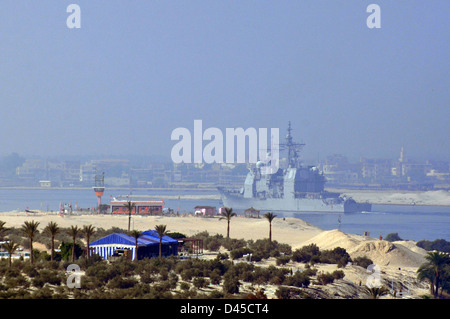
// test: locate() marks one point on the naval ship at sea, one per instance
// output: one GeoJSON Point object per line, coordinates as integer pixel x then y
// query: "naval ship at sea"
{"type": "Point", "coordinates": [293, 189]}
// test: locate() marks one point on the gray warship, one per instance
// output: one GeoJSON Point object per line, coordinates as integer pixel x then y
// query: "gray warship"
{"type": "Point", "coordinates": [292, 189]}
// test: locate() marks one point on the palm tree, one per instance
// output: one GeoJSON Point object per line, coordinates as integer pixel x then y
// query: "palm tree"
{"type": "Point", "coordinates": [136, 234]}
{"type": "Point", "coordinates": [74, 232]}
{"type": "Point", "coordinates": [129, 206]}
{"type": "Point", "coordinates": [227, 214]}
{"type": "Point", "coordinates": [270, 217]}
{"type": "Point", "coordinates": [433, 269]}
{"type": "Point", "coordinates": [10, 247]}
{"type": "Point", "coordinates": [2, 229]}
{"type": "Point", "coordinates": [161, 230]}
{"type": "Point", "coordinates": [375, 291]}
{"type": "Point", "coordinates": [52, 229]}
{"type": "Point", "coordinates": [88, 231]}
{"type": "Point", "coordinates": [30, 229]}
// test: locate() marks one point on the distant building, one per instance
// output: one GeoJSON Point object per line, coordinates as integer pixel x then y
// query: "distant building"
{"type": "Point", "coordinates": [376, 170]}
{"type": "Point", "coordinates": [150, 207]}
{"type": "Point", "coordinates": [206, 210]}
{"type": "Point", "coordinates": [45, 184]}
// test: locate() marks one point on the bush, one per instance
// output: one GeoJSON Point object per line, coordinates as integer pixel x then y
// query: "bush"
{"type": "Point", "coordinates": [215, 277]}
{"type": "Point", "coordinates": [392, 237]}
{"type": "Point", "coordinates": [232, 244]}
{"type": "Point", "coordinates": [325, 278]}
{"type": "Point", "coordinates": [239, 252]}
{"type": "Point", "coordinates": [43, 293]}
{"type": "Point", "coordinates": [305, 253]}
{"type": "Point", "coordinates": [200, 282]}
{"type": "Point", "coordinates": [184, 286]}
{"type": "Point", "coordinates": [122, 283]}
{"type": "Point", "coordinates": [66, 251]}
{"type": "Point", "coordinates": [213, 244]}
{"type": "Point", "coordinates": [363, 262]}
{"type": "Point", "coordinates": [176, 235]}
{"type": "Point", "coordinates": [299, 279]}
{"type": "Point", "coordinates": [337, 256]}
{"type": "Point", "coordinates": [46, 276]}
{"type": "Point", "coordinates": [286, 293]}
{"type": "Point", "coordinates": [282, 260]}
{"type": "Point", "coordinates": [438, 244]}
{"type": "Point", "coordinates": [231, 285]}
{"type": "Point", "coordinates": [338, 274]}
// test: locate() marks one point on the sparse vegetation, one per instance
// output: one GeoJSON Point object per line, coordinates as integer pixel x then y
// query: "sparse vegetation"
{"type": "Point", "coordinates": [438, 244]}
{"type": "Point", "coordinates": [227, 275]}
{"type": "Point", "coordinates": [363, 262]}
{"type": "Point", "coordinates": [312, 254]}
{"type": "Point", "coordinates": [392, 237]}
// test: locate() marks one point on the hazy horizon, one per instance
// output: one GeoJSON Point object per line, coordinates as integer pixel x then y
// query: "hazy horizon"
{"type": "Point", "coordinates": [135, 71]}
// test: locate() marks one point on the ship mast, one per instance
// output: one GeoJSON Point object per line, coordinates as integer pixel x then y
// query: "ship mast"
{"type": "Point", "coordinates": [292, 148]}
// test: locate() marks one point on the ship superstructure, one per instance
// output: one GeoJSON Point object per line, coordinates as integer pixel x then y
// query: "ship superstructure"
{"type": "Point", "coordinates": [294, 188]}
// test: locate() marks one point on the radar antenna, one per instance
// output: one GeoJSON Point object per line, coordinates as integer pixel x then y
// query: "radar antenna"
{"type": "Point", "coordinates": [292, 148]}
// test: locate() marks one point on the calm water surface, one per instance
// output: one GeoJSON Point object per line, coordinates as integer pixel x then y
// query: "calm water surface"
{"type": "Point", "coordinates": [410, 222]}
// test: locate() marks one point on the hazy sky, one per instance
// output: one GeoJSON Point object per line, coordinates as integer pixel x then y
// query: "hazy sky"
{"type": "Point", "coordinates": [136, 70]}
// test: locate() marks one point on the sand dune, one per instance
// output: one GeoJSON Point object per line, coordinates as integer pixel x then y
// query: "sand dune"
{"type": "Point", "coordinates": [381, 252]}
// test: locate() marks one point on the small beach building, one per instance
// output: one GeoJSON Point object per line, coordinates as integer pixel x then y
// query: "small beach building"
{"type": "Point", "coordinates": [251, 213]}
{"type": "Point", "coordinates": [141, 207]}
{"type": "Point", "coordinates": [205, 210]}
{"type": "Point", "coordinates": [119, 244]}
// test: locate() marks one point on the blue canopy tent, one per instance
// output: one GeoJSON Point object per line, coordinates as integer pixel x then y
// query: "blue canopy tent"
{"type": "Point", "coordinates": [169, 245]}
{"type": "Point", "coordinates": [148, 245]}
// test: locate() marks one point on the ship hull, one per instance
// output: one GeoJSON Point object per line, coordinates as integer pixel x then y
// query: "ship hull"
{"type": "Point", "coordinates": [296, 205]}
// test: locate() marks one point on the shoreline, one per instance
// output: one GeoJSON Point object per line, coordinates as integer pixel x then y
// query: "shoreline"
{"type": "Point", "coordinates": [439, 198]}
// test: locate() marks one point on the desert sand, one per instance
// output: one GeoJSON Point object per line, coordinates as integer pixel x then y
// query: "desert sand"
{"type": "Point", "coordinates": [292, 231]}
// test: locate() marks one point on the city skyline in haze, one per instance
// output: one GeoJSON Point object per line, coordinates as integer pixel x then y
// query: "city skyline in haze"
{"type": "Point", "coordinates": [134, 72]}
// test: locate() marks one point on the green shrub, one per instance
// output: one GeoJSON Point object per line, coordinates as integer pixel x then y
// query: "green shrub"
{"type": "Point", "coordinates": [338, 274]}
{"type": "Point", "coordinates": [239, 252]}
{"type": "Point", "coordinates": [363, 262]}
{"type": "Point", "coordinates": [184, 286]}
{"type": "Point", "coordinates": [176, 235]}
{"type": "Point", "coordinates": [231, 285]}
{"type": "Point", "coordinates": [305, 253]}
{"type": "Point", "coordinates": [200, 282]}
{"type": "Point", "coordinates": [325, 278]}
{"type": "Point", "coordinates": [282, 260]}
{"type": "Point", "coordinates": [337, 256]}
{"type": "Point", "coordinates": [215, 277]}
{"type": "Point", "coordinates": [438, 244]}
{"type": "Point", "coordinates": [299, 279]}
{"type": "Point", "coordinates": [285, 293]}
{"type": "Point", "coordinates": [392, 237]}
{"type": "Point", "coordinates": [232, 244]}
{"type": "Point", "coordinates": [66, 251]}
{"type": "Point", "coordinates": [121, 283]}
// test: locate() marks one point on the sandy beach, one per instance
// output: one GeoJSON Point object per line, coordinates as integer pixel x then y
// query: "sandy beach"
{"type": "Point", "coordinates": [292, 231]}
